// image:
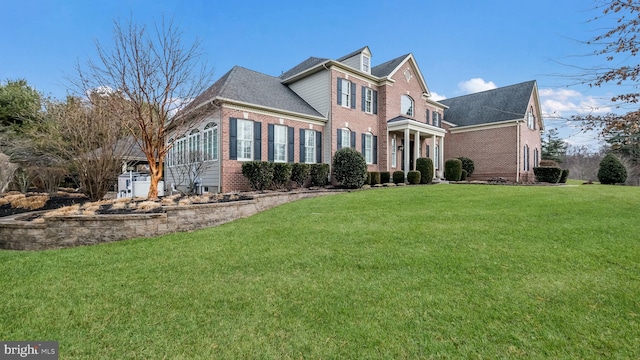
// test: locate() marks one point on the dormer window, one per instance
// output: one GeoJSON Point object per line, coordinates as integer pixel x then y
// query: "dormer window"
{"type": "Point", "coordinates": [366, 64]}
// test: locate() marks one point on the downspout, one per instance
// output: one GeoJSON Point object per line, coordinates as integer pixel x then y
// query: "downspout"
{"type": "Point", "coordinates": [518, 151]}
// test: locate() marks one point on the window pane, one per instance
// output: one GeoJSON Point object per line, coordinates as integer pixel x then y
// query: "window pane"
{"type": "Point", "coordinates": [346, 138]}
{"type": "Point", "coordinates": [406, 105]}
{"type": "Point", "coordinates": [346, 91]}
{"type": "Point", "coordinates": [245, 139]}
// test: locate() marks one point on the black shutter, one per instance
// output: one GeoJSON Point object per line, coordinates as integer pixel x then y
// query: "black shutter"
{"type": "Point", "coordinates": [428, 151]}
{"type": "Point", "coordinates": [339, 138]}
{"type": "Point", "coordinates": [318, 147]}
{"type": "Point", "coordinates": [375, 149]}
{"type": "Point", "coordinates": [434, 115]}
{"type": "Point", "coordinates": [353, 139]}
{"type": "Point", "coordinates": [339, 91]}
{"type": "Point", "coordinates": [427, 117]}
{"type": "Point", "coordinates": [364, 99]}
{"type": "Point", "coordinates": [375, 102]}
{"type": "Point", "coordinates": [353, 95]}
{"type": "Point", "coordinates": [270, 140]}
{"type": "Point", "coordinates": [257, 140]}
{"type": "Point", "coordinates": [290, 146]}
{"type": "Point", "coordinates": [364, 137]}
{"type": "Point", "coordinates": [233, 139]}
{"type": "Point", "coordinates": [302, 140]}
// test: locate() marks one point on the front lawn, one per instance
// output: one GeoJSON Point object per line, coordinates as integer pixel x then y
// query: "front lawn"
{"type": "Point", "coordinates": [444, 271]}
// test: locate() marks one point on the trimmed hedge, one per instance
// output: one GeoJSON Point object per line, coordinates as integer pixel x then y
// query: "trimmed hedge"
{"type": "Point", "coordinates": [463, 175]}
{"type": "Point", "coordinates": [467, 164]}
{"type": "Point", "coordinates": [564, 176]}
{"type": "Point", "coordinates": [385, 177]}
{"type": "Point", "coordinates": [368, 180]}
{"type": "Point", "coordinates": [350, 168]}
{"type": "Point", "coordinates": [259, 174]}
{"type": "Point", "coordinates": [375, 178]}
{"type": "Point", "coordinates": [549, 174]}
{"type": "Point", "coordinates": [299, 173]}
{"type": "Point", "coordinates": [398, 177]}
{"type": "Point", "coordinates": [425, 166]}
{"type": "Point", "coordinates": [413, 177]}
{"type": "Point", "coordinates": [318, 174]}
{"type": "Point", "coordinates": [281, 175]}
{"type": "Point", "coordinates": [453, 169]}
{"type": "Point", "coordinates": [611, 171]}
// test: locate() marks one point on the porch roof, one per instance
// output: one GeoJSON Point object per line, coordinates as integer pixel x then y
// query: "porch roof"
{"type": "Point", "coordinates": [400, 123]}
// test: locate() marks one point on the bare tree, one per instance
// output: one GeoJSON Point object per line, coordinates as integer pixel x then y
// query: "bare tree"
{"type": "Point", "coordinates": [157, 75]}
{"type": "Point", "coordinates": [7, 169]}
{"type": "Point", "coordinates": [188, 172]}
{"type": "Point", "coordinates": [582, 163]}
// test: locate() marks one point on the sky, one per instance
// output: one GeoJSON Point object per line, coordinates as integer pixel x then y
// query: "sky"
{"type": "Point", "coordinates": [461, 46]}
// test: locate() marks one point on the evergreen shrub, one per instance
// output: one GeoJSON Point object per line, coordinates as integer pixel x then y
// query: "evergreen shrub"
{"type": "Point", "coordinates": [398, 177]}
{"type": "Point", "coordinates": [299, 173]}
{"type": "Point", "coordinates": [259, 174]}
{"type": "Point", "coordinates": [452, 169]}
{"type": "Point", "coordinates": [375, 178]}
{"type": "Point", "coordinates": [549, 174]}
{"type": "Point", "coordinates": [350, 168]}
{"type": "Point", "coordinates": [425, 166]}
{"type": "Point", "coordinates": [281, 175]}
{"type": "Point", "coordinates": [467, 164]}
{"type": "Point", "coordinates": [413, 177]}
{"type": "Point", "coordinates": [463, 175]}
{"type": "Point", "coordinates": [385, 177]}
{"type": "Point", "coordinates": [564, 176]}
{"type": "Point", "coordinates": [318, 174]}
{"type": "Point", "coordinates": [611, 171]}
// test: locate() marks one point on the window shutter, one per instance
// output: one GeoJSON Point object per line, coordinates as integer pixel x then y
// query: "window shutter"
{"type": "Point", "coordinates": [427, 117]}
{"type": "Point", "coordinates": [318, 147]}
{"type": "Point", "coordinates": [257, 140]}
{"type": "Point", "coordinates": [339, 138]}
{"type": "Point", "coordinates": [375, 102]}
{"type": "Point", "coordinates": [435, 118]}
{"type": "Point", "coordinates": [428, 151]}
{"type": "Point", "coordinates": [363, 98]}
{"type": "Point", "coordinates": [339, 91]}
{"type": "Point", "coordinates": [233, 139]}
{"type": "Point", "coordinates": [290, 143]}
{"type": "Point", "coordinates": [364, 137]}
{"type": "Point", "coordinates": [270, 140]}
{"type": "Point", "coordinates": [375, 149]}
{"type": "Point", "coordinates": [353, 139]}
{"type": "Point", "coordinates": [302, 140]}
{"type": "Point", "coordinates": [353, 95]}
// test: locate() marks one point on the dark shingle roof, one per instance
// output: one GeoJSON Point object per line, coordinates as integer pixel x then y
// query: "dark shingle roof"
{"type": "Point", "coordinates": [307, 64]}
{"type": "Point", "coordinates": [386, 68]}
{"type": "Point", "coordinates": [351, 54]}
{"type": "Point", "coordinates": [241, 84]}
{"type": "Point", "coordinates": [501, 104]}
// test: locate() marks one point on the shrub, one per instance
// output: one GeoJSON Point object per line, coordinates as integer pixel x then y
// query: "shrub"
{"type": "Point", "coordinates": [259, 174]}
{"type": "Point", "coordinates": [281, 175]}
{"type": "Point", "coordinates": [375, 177]}
{"type": "Point", "coordinates": [385, 177]}
{"type": "Point", "coordinates": [368, 180]}
{"type": "Point", "coordinates": [350, 168]}
{"type": "Point", "coordinates": [453, 169]}
{"type": "Point", "coordinates": [299, 173]}
{"type": "Point", "coordinates": [467, 164]}
{"type": "Point", "coordinates": [398, 177]}
{"type": "Point", "coordinates": [425, 166]}
{"type": "Point", "coordinates": [548, 163]}
{"type": "Point", "coordinates": [611, 171]}
{"type": "Point", "coordinates": [413, 177]}
{"type": "Point", "coordinates": [463, 175]}
{"type": "Point", "coordinates": [564, 176]}
{"type": "Point", "coordinates": [318, 174]}
{"type": "Point", "coordinates": [549, 174]}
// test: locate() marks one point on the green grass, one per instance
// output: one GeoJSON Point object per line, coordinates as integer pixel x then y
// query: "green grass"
{"type": "Point", "coordinates": [446, 271]}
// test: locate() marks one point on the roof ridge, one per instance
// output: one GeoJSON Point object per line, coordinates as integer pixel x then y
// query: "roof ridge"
{"type": "Point", "coordinates": [494, 89]}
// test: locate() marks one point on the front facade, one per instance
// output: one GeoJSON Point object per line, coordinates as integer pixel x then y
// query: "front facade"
{"type": "Point", "coordinates": [307, 114]}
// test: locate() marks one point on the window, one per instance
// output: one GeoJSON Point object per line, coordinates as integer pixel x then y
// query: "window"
{"type": "Point", "coordinates": [368, 148]}
{"type": "Point", "coordinates": [344, 139]}
{"type": "Point", "coordinates": [525, 158]}
{"type": "Point", "coordinates": [366, 64]}
{"type": "Point", "coordinates": [345, 95]}
{"type": "Point", "coordinates": [310, 146]}
{"type": "Point", "coordinates": [536, 158]}
{"type": "Point", "coordinates": [210, 142]}
{"type": "Point", "coordinates": [394, 154]}
{"type": "Point", "coordinates": [368, 100]}
{"type": "Point", "coordinates": [531, 119]}
{"type": "Point", "coordinates": [436, 119]}
{"type": "Point", "coordinates": [427, 116]}
{"type": "Point", "coordinates": [245, 139]}
{"type": "Point", "coordinates": [280, 143]}
{"type": "Point", "coordinates": [406, 105]}
{"type": "Point", "coordinates": [194, 146]}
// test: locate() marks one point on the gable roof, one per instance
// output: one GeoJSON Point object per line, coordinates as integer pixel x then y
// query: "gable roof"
{"type": "Point", "coordinates": [386, 68]}
{"type": "Point", "coordinates": [501, 104]}
{"type": "Point", "coordinates": [305, 65]}
{"type": "Point", "coordinates": [354, 53]}
{"type": "Point", "coordinates": [252, 87]}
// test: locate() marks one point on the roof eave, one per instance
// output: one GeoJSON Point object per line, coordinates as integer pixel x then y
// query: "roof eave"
{"type": "Point", "coordinates": [272, 109]}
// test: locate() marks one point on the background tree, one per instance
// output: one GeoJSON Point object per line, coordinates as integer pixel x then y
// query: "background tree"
{"type": "Point", "coordinates": [156, 74]}
{"type": "Point", "coordinates": [612, 171]}
{"type": "Point", "coordinates": [553, 148]}
{"type": "Point", "coordinates": [19, 105]}
{"type": "Point", "coordinates": [583, 163]}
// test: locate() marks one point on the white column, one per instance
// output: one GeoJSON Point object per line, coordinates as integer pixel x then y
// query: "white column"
{"type": "Point", "coordinates": [416, 148]}
{"type": "Point", "coordinates": [441, 155]}
{"type": "Point", "coordinates": [405, 152]}
{"type": "Point", "coordinates": [432, 154]}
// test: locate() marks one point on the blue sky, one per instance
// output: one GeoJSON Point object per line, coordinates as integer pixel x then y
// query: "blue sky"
{"type": "Point", "coordinates": [460, 46]}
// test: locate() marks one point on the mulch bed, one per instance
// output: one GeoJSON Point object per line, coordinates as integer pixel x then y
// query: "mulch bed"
{"type": "Point", "coordinates": [54, 202]}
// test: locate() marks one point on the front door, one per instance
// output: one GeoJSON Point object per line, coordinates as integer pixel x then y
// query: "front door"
{"type": "Point", "coordinates": [411, 156]}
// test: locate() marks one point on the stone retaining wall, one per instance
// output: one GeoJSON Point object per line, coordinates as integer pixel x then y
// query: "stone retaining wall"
{"type": "Point", "coordinates": [69, 231]}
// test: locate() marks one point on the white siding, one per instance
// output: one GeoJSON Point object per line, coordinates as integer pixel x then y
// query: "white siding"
{"type": "Point", "coordinates": [313, 89]}
{"type": "Point", "coordinates": [353, 61]}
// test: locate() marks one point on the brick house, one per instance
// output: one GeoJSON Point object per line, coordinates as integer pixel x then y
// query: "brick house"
{"type": "Point", "coordinates": [309, 112]}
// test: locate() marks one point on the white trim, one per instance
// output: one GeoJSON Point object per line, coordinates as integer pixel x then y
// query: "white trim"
{"type": "Point", "coordinates": [489, 126]}
{"type": "Point", "coordinates": [269, 111]}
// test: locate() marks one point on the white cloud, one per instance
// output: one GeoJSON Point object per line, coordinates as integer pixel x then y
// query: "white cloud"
{"type": "Point", "coordinates": [476, 85]}
{"type": "Point", "coordinates": [563, 103]}
{"type": "Point", "coordinates": [437, 97]}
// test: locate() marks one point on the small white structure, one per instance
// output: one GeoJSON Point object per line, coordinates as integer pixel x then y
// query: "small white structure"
{"type": "Point", "coordinates": [134, 184]}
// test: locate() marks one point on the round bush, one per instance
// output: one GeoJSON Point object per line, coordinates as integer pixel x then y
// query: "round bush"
{"type": "Point", "coordinates": [398, 177]}
{"type": "Point", "coordinates": [349, 168]}
{"type": "Point", "coordinates": [299, 173]}
{"type": "Point", "coordinates": [467, 164]}
{"type": "Point", "coordinates": [413, 177]}
{"type": "Point", "coordinates": [564, 176]}
{"type": "Point", "coordinates": [611, 171]}
{"type": "Point", "coordinates": [318, 174]}
{"type": "Point", "coordinates": [549, 174]}
{"type": "Point", "coordinates": [385, 177]}
{"type": "Point", "coordinates": [425, 166]}
{"type": "Point", "coordinates": [368, 181]}
{"type": "Point", "coordinates": [452, 169]}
